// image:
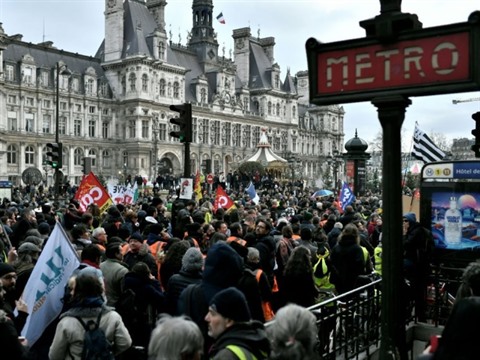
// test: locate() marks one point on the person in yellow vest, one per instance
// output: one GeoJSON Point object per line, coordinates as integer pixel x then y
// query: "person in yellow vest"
{"type": "Point", "coordinates": [236, 335]}
{"type": "Point", "coordinates": [378, 256]}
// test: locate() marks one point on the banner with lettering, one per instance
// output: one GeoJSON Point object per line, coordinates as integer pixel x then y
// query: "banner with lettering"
{"type": "Point", "coordinates": [46, 286]}
{"type": "Point", "coordinates": [91, 191]}
{"type": "Point", "coordinates": [346, 196]}
{"type": "Point", "coordinates": [121, 194]}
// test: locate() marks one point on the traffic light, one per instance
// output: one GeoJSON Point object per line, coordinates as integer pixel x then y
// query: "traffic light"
{"type": "Point", "coordinates": [54, 155]}
{"type": "Point", "coordinates": [184, 121]}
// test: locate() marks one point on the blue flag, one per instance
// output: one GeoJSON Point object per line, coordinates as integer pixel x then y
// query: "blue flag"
{"type": "Point", "coordinates": [252, 193]}
{"type": "Point", "coordinates": [346, 196]}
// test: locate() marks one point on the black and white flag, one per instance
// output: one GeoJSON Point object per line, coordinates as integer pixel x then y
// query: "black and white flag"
{"type": "Point", "coordinates": [424, 149]}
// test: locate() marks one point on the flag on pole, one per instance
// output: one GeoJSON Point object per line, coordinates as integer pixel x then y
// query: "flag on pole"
{"type": "Point", "coordinates": [424, 149]}
{"type": "Point", "coordinates": [91, 191]}
{"type": "Point", "coordinates": [197, 188]}
{"type": "Point", "coordinates": [346, 196]}
{"type": "Point", "coordinates": [46, 286]}
{"type": "Point", "coordinates": [252, 193]}
{"type": "Point", "coordinates": [220, 18]}
{"type": "Point", "coordinates": [222, 200]}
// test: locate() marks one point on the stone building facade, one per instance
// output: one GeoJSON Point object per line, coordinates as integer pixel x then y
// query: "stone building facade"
{"type": "Point", "coordinates": [114, 106]}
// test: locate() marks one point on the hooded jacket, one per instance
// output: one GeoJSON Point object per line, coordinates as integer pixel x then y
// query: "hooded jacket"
{"type": "Point", "coordinates": [348, 262]}
{"type": "Point", "coordinates": [250, 336]}
{"type": "Point", "coordinates": [69, 335]}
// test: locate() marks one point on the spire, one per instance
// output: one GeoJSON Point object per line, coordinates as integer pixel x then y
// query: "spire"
{"type": "Point", "coordinates": [203, 38]}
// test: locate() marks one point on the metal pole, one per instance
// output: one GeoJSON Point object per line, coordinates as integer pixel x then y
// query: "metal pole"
{"type": "Point", "coordinates": [56, 175]}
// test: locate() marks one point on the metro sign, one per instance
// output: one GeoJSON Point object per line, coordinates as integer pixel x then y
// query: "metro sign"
{"type": "Point", "coordinates": [437, 60]}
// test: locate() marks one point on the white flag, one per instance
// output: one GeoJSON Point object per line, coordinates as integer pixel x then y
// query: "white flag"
{"type": "Point", "coordinates": [46, 286]}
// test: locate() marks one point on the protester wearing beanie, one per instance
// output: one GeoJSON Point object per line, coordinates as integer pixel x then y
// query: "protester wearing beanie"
{"type": "Point", "coordinates": [191, 273]}
{"type": "Point", "coordinates": [236, 335]}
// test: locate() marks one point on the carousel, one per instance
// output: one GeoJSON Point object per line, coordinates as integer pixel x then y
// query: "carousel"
{"type": "Point", "coordinates": [274, 164]}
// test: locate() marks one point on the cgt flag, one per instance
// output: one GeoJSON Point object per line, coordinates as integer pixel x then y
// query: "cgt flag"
{"type": "Point", "coordinates": [91, 191]}
{"type": "Point", "coordinates": [46, 286]}
{"type": "Point", "coordinates": [222, 200]}
{"type": "Point", "coordinates": [346, 196]}
{"type": "Point", "coordinates": [424, 149]}
{"type": "Point", "coordinates": [252, 193]}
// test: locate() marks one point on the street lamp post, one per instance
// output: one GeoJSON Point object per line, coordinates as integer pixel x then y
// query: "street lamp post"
{"type": "Point", "coordinates": [60, 70]}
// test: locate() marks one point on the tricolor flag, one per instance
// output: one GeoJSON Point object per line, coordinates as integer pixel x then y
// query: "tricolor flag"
{"type": "Point", "coordinates": [220, 18]}
{"type": "Point", "coordinates": [197, 188]}
{"type": "Point", "coordinates": [46, 286]}
{"type": "Point", "coordinates": [346, 196]}
{"type": "Point", "coordinates": [252, 193]}
{"type": "Point", "coordinates": [91, 191]}
{"type": "Point", "coordinates": [222, 200]}
{"type": "Point", "coordinates": [424, 149]}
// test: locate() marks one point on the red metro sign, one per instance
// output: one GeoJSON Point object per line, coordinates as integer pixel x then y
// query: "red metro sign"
{"type": "Point", "coordinates": [444, 59]}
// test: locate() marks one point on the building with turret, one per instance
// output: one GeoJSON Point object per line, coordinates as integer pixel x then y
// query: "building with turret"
{"type": "Point", "coordinates": [114, 107]}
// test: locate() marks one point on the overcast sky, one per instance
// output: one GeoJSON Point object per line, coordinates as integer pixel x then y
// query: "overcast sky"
{"type": "Point", "coordinates": [78, 26]}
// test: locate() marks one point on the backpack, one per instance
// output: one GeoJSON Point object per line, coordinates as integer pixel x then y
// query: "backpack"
{"type": "Point", "coordinates": [95, 344]}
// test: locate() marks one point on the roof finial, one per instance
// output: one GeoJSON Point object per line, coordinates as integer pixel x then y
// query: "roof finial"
{"type": "Point", "coordinates": [356, 134]}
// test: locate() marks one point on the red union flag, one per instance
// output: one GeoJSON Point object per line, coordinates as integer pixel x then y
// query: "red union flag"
{"type": "Point", "coordinates": [91, 191]}
{"type": "Point", "coordinates": [222, 200]}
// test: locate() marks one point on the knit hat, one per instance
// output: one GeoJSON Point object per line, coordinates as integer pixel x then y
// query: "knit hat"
{"type": "Point", "coordinates": [28, 247]}
{"type": "Point", "coordinates": [223, 268]}
{"type": "Point", "coordinates": [151, 220]}
{"type": "Point", "coordinates": [136, 236]}
{"type": "Point", "coordinates": [34, 240]}
{"type": "Point", "coordinates": [231, 304]}
{"type": "Point", "coordinates": [6, 269]}
{"type": "Point", "coordinates": [411, 217]}
{"type": "Point", "coordinates": [338, 225]}
{"type": "Point", "coordinates": [192, 260]}
{"type": "Point", "coordinates": [44, 228]}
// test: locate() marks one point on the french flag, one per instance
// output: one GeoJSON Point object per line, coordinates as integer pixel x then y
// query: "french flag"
{"type": "Point", "coordinates": [220, 18]}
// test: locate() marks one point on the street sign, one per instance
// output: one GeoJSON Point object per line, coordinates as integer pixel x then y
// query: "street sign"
{"type": "Point", "coordinates": [210, 179]}
{"type": "Point", "coordinates": [437, 60]}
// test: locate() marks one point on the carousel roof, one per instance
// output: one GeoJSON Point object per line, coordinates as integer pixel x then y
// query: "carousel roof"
{"type": "Point", "coordinates": [264, 154]}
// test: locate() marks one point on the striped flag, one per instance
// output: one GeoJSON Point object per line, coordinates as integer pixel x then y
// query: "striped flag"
{"type": "Point", "coordinates": [220, 18]}
{"type": "Point", "coordinates": [424, 149]}
{"type": "Point", "coordinates": [252, 193]}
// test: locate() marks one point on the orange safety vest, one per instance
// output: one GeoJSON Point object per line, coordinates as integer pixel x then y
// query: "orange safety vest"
{"type": "Point", "coordinates": [268, 312]}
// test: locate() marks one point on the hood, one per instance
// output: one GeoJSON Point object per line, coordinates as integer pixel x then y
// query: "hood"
{"type": "Point", "coordinates": [223, 268]}
{"type": "Point", "coordinates": [251, 336]}
{"type": "Point", "coordinates": [411, 217]}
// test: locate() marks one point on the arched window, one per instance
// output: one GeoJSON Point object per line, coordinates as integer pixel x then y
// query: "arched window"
{"type": "Point", "coordinates": [132, 79]}
{"type": "Point", "coordinates": [163, 86]}
{"type": "Point", "coordinates": [278, 110]}
{"type": "Point", "coordinates": [77, 156]}
{"type": "Point", "coordinates": [269, 108]}
{"type": "Point", "coordinates": [124, 85]}
{"type": "Point", "coordinates": [145, 82]}
{"type": "Point", "coordinates": [11, 154]}
{"type": "Point", "coordinates": [176, 90]}
{"type": "Point", "coordinates": [203, 96]}
{"type": "Point", "coordinates": [161, 50]}
{"type": "Point", "coordinates": [29, 155]}
{"type": "Point", "coordinates": [294, 111]}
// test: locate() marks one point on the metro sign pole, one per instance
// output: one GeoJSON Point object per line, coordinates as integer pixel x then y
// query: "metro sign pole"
{"type": "Point", "coordinates": [397, 59]}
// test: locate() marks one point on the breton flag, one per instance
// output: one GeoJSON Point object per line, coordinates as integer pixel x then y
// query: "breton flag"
{"type": "Point", "coordinates": [346, 196]}
{"type": "Point", "coordinates": [424, 149]}
{"type": "Point", "coordinates": [252, 193]}
{"type": "Point", "coordinates": [220, 18]}
{"type": "Point", "coordinates": [46, 286]}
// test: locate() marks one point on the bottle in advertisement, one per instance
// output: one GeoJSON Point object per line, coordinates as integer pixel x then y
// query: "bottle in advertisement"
{"type": "Point", "coordinates": [453, 223]}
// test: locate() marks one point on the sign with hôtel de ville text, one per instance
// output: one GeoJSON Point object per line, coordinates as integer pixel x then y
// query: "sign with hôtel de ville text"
{"type": "Point", "coordinates": [437, 60]}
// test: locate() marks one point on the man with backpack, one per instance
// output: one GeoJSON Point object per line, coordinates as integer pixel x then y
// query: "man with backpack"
{"type": "Point", "coordinates": [89, 330]}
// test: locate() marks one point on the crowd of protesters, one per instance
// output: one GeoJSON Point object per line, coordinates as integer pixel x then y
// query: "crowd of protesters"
{"type": "Point", "coordinates": [164, 266]}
